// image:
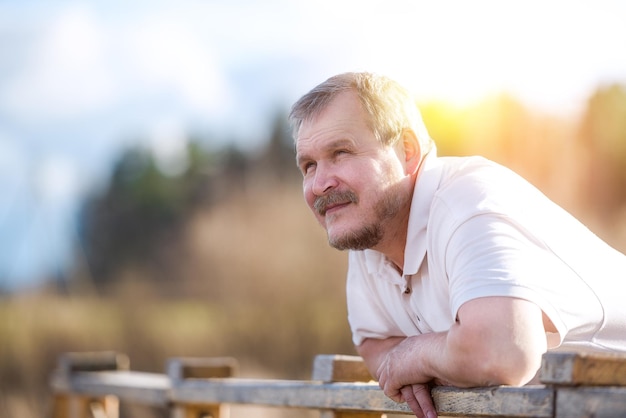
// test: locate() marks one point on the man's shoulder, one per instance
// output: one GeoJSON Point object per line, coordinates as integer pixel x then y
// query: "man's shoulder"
{"type": "Point", "coordinates": [475, 185]}
{"type": "Point", "coordinates": [471, 168]}
{"type": "Point", "coordinates": [475, 178]}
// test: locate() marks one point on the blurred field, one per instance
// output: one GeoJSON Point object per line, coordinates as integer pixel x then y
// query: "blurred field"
{"type": "Point", "coordinates": [273, 301]}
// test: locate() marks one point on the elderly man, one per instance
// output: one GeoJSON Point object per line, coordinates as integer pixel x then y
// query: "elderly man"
{"type": "Point", "coordinates": [460, 272]}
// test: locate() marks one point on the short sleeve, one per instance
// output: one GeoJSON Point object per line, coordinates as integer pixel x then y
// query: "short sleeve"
{"type": "Point", "coordinates": [490, 255]}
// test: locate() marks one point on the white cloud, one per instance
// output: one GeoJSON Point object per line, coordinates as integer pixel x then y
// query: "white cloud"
{"type": "Point", "coordinates": [13, 174]}
{"type": "Point", "coordinates": [86, 62]}
{"type": "Point", "coordinates": [165, 55]}
{"type": "Point", "coordinates": [169, 147]}
{"type": "Point", "coordinates": [67, 73]}
{"type": "Point", "coordinates": [57, 182]}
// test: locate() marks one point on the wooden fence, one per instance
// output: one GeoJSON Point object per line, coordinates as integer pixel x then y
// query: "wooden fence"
{"type": "Point", "coordinates": [93, 385]}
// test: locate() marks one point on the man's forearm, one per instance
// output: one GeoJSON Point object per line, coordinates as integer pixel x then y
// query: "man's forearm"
{"type": "Point", "coordinates": [374, 351]}
{"type": "Point", "coordinates": [480, 349]}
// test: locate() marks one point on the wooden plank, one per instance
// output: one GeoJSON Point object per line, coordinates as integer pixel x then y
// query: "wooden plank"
{"type": "Point", "coordinates": [201, 368]}
{"type": "Point", "coordinates": [286, 393]}
{"type": "Point", "coordinates": [92, 361]}
{"type": "Point", "coordinates": [73, 405]}
{"type": "Point", "coordinates": [493, 402]}
{"type": "Point", "coordinates": [497, 401]}
{"type": "Point", "coordinates": [152, 389]}
{"type": "Point", "coordinates": [591, 402]}
{"type": "Point", "coordinates": [591, 369]}
{"type": "Point", "coordinates": [340, 368]}
{"type": "Point", "coordinates": [351, 414]}
{"type": "Point", "coordinates": [139, 387]}
{"type": "Point", "coordinates": [179, 369]}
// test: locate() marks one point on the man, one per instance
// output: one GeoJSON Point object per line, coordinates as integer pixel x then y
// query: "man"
{"type": "Point", "coordinates": [460, 272]}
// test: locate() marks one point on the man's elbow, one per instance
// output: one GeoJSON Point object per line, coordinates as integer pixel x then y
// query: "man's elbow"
{"type": "Point", "coordinates": [512, 370]}
{"type": "Point", "coordinates": [494, 364]}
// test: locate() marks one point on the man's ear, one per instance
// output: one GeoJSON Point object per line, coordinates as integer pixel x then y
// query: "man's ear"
{"type": "Point", "coordinates": [412, 151]}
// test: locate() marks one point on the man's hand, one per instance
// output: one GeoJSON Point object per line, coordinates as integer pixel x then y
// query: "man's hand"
{"type": "Point", "coordinates": [404, 384]}
{"type": "Point", "coordinates": [400, 367]}
{"type": "Point", "coordinates": [376, 354]}
{"type": "Point", "coordinates": [496, 340]}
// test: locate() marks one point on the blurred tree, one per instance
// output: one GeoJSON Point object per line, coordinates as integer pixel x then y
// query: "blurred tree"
{"type": "Point", "coordinates": [278, 158]}
{"type": "Point", "coordinates": [603, 134]}
{"type": "Point", "coordinates": [138, 223]}
{"type": "Point", "coordinates": [137, 220]}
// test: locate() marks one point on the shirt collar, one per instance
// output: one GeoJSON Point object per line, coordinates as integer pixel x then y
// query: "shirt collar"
{"type": "Point", "coordinates": [425, 187]}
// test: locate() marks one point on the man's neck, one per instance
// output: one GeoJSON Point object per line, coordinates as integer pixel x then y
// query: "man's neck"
{"type": "Point", "coordinates": [394, 242]}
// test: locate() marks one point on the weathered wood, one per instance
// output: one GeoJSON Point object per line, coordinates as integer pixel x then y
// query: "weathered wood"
{"type": "Point", "coordinates": [199, 411]}
{"type": "Point", "coordinates": [72, 404]}
{"type": "Point", "coordinates": [340, 368]}
{"type": "Point", "coordinates": [92, 362]}
{"type": "Point", "coordinates": [351, 414]}
{"type": "Point", "coordinates": [180, 369]}
{"type": "Point", "coordinates": [497, 401]}
{"type": "Point", "coordinates": [591, 402]}
{"type": "Point", "coordinates": [201, 368]}
{"type": "Point", "coordinates": [583, 369]}
{"type": "Point", "coordinates": [285, 393]}
{"type": "Point", "coordinates": [191, 390]}
{"type": "Point", "coordinates": [143, 388]}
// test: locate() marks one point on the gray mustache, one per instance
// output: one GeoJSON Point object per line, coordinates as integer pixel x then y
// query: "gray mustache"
{"type": "Point", "coordinates": [322, 203]}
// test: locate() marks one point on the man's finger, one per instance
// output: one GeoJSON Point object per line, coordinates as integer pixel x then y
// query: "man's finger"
{"type": "Point", "coordinates": [423, 397]}
{"type": "Point", "coordinates": [411, 401]}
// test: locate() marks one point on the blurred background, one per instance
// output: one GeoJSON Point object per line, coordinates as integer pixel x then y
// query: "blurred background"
{"type": "Point", "coordinates": [149, 199]}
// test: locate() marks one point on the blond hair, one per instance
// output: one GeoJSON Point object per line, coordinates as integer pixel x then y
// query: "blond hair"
{"type": "Point", "coordinates": [389, 106]}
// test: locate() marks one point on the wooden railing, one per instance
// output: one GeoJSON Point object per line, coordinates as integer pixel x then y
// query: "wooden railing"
{"type": "Point", "coordinates": [93, 384]}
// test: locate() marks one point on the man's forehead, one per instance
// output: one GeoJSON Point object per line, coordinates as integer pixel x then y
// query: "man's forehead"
{"type": "Point", "coordinates": [338, 116]}
{"type": "Point", "coordinates": [328, 135]}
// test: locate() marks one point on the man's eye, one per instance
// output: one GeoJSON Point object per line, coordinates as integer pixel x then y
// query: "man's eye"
{"type": "Point", "coordinates": [307, 167]}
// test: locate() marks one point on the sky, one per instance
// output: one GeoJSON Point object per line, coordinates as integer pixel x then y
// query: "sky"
{"type": "Point", "coordinates": [82, 80]}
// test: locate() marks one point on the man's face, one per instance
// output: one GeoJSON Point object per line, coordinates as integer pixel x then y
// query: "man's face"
{"type": "Point", "coordinates": [354, 185]}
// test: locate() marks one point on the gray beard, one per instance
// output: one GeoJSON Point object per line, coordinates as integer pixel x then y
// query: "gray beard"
{"type": "Point", "coordinates": [366, 237]}
{"type": "Point", "coordinates": [371, 235]}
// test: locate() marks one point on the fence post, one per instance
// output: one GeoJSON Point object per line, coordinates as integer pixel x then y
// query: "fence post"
{"type": "Point", "coordinates": [69, 405]}
{"type": "Point", "coordinates": [342, 368]}
{"type": "Point", "coordinates": [179, 369]}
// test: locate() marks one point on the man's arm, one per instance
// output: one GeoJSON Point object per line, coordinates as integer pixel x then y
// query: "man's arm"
{"type": "Point", "coordinates": [495, 340]}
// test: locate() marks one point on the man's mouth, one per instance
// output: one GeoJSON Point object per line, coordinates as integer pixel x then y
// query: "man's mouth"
{"type": "Point", "coordinates": [326, 203]}
{"type": "Point", "coordinates": [330, 208]}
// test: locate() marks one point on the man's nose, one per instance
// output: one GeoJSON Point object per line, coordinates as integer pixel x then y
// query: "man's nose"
{"type": "Point", "coordinates": [324, 180]}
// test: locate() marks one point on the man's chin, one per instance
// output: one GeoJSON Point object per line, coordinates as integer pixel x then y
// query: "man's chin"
{"type": "Point", "coordinates": [360, 240]}
{"type": "Point", "coordinates": [339, 239]}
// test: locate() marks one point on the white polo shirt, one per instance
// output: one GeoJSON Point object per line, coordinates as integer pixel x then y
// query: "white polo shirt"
{"type": "Point", "coordinates": [477, 229]}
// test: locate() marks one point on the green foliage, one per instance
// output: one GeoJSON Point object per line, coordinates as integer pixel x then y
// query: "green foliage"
{"type": "Point", "coordinates": [141, 208]}
{"type": "Point", "coordinates": [138, 220]}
